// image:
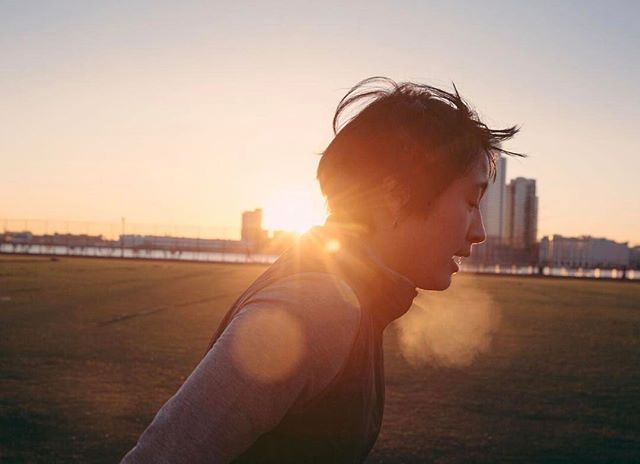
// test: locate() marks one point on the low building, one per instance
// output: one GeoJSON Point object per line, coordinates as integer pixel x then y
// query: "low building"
{"type": "Point", "coordinates": [634, 257]}
{"type": "Point", "coordinates": [17, 238]}
{"type": "Point", "coordinates": [583, 252]}
{"type": "Point", "coordinates": [72, 240]}
{"type": "Point", "coordinates": [156, 242]}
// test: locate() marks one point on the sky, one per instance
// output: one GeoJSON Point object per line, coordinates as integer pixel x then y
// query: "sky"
{"type": "Point", "coordinates": [188, 113]}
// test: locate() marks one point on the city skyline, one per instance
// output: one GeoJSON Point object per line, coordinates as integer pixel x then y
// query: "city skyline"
{"type": "Point", "coordinates": [508, 249]}
{"type": "Point", "coordinates": [189, 114]}
{"type": "Point", "coordinates": [112, 230]}
{"type": "Point", "coordinates": [509, 211]}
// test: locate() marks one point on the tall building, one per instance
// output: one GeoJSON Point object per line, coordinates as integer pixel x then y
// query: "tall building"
{"type": "Point", "coordinates": [493, 204]}
{"type": "Point", "coordinates": [251, 231]}
{"type": "Point", "coordinates": [510, 217]}
{"type": "Point", "coordinates": [521, 219]}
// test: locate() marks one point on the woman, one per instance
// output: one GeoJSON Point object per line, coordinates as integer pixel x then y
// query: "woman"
{"type": "Point", "coordinates": [295, 371]}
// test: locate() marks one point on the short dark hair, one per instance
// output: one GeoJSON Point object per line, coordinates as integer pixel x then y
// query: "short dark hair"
{"type": "Point", "coordinates": [420, 136]}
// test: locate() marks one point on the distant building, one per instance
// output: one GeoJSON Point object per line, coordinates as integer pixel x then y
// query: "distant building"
{"type": "Point", "coordinates": [583, 252]}
{"type": "Point", "coordinates": [634, 257]}
{"type": "Point", "coordinates": [493, 204]}
{"type": "Point", "coordinates": [510, 217]}
{"type": "Point", "coordinates": [72, 240]}
{"type": "Point", "coordinates": [521, 222]}
{"type": "Point", "coordinates": [157, 242]}
{"type": "Point", "coordinates": [252, 231]}
{"type": "Point", "coordinates": [16, 238]}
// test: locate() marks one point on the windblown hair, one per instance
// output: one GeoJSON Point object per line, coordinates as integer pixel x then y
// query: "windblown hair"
{"type": "Point", "coordinates": [421, 137]}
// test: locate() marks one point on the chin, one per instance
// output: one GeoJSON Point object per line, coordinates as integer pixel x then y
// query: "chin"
{"type": "Point", "coordinates": [439, 284]}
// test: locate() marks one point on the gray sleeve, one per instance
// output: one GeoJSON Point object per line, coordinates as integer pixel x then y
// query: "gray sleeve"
{"type": "Point", "coordinates": [281, 350]}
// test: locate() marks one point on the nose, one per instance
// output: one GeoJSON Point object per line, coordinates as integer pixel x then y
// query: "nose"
{"type": "Point", "coordinates": [477, 234]}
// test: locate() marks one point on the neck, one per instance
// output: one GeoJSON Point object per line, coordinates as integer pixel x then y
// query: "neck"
{"type": "Point", "coordinates": [377, 240]}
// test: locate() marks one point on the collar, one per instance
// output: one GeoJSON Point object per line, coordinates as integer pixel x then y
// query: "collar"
{"type": "Point", "coordinates": [387, 293]}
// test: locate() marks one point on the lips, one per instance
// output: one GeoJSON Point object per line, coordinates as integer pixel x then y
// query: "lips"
{"type": "Point", "coordinates": [456, 260]}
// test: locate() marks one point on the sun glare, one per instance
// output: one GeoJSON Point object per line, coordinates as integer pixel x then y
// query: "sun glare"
{"type": "Point", "coordinates": [294, 210]}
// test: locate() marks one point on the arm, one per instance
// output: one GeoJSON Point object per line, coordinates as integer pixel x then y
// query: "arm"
{"type": "Point", "coordinates": [285, 346]}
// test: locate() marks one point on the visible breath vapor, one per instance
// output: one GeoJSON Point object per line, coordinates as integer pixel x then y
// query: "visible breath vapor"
{"type": "Point", "coordinates": [448, 331]}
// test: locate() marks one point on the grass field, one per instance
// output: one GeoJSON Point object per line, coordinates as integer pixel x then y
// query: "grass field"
{"type": "Point", "coordinates": [90, 349]}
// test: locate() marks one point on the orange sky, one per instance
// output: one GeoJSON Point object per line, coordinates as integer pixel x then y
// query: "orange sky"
{"type": "Point", "coordinates": [189, 115]}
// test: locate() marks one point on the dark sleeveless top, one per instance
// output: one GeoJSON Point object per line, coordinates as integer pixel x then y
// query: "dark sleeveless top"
{"type": "Point", "coordinates": [341, 424]}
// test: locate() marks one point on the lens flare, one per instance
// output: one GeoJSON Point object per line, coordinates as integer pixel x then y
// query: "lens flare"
{"type": "Point", "coordinates": [332, 246]}
{"type": "Point", "coordinates": [286, 345]}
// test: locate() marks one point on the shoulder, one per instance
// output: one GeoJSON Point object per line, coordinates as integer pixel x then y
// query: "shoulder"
{"type": "Point", "coordinates": [319, 306]}
{"type": "Point", "coordinates": [317, 297]}
{"type": "Point", "coordinates": [300, 328]}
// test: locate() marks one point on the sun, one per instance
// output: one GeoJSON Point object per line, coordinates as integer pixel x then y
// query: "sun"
{"type": "Point", "coordinates": [294, 210]}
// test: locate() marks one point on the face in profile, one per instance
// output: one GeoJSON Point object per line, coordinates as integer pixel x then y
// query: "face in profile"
{"type": "Point", "coordinates": [424, 247]}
